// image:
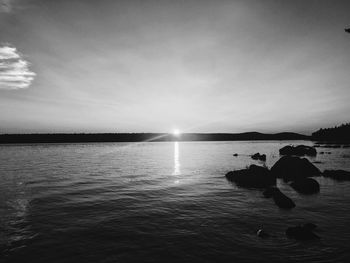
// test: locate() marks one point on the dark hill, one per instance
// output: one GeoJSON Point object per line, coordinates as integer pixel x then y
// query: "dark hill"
{"type": "Point", "coordinates": [139, 137]}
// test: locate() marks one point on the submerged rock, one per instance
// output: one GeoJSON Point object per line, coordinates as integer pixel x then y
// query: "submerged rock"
{"type": "Point", "coordinates": [261, 233]}
{"type": "Point", "coordinates": [254, 177]}
{"type": "Point", "coordinates": [332, 146]}
{"type": "Point", "coordinates": [299, 150]}
{"type": "Point", "coordinates": [306, 186]}
{"type": "Point", "coordinates": [258, 156]}
{"type": "Point", "coordinates": [310, 226]}
{"type": "Point", "coordinates": [339, 175]}
{"type": "Point", "coordinates": [235, 154]}
{"type": "Point", "coordinates": [292, 168]}
{"type": "Point", "coordinates": [281, 200]}
{"type": "Point", "coordinates": [302, 232]}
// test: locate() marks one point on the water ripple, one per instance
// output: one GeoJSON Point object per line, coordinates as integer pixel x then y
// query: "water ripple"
{"type": "Point", "coordinates": [158, 202]}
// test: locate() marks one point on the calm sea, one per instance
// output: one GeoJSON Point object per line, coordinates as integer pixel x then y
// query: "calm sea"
{"type": "Point", "coordinates": [160, 202]}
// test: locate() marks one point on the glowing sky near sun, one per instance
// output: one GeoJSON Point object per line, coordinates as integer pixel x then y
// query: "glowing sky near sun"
{"type": "Point", "coordinates": [148, 66]}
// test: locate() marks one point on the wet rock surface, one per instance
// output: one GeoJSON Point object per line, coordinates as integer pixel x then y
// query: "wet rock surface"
{"type": "Point", "coordinates": [292, 168]}
{"type": "Point", "coordinates": [306, 186]}
{"type": "Point", "coordinates": [258, 156]}
{"type": "Point", "coordinates": [299, 150]}
{"type": "Point", "coordinates": [252, 177]}
{"type": "Point", "coordinates": [280, 199]}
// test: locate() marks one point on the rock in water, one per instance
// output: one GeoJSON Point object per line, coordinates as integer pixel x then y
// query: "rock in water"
{"type": "Point", "coordinates": [301, 233]}
{"type": "Point", "coordinates": [261, 233]}
{"type": "Point", "coordinates": [281, 200]}
{"type": "Point", "coordinates": [299, 150]}
{"type": "Point", "coordinates": [252, 177]}
{"type": "Point", "coordinates": [306, 186]}
{"type": "Point", "coordinates": [292, 168]}
{"type": "Point", "coordinates": [310, 226]}
{"type": "Point", "coordinates": [339, 175]}
{"type": "Point", "coordinates": [258, 156]}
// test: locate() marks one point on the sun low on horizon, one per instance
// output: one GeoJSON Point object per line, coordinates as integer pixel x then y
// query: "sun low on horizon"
{"type": "Point", "coordinates": [176, 132]}
{"type": "Point", "coordinates": [219, 66]}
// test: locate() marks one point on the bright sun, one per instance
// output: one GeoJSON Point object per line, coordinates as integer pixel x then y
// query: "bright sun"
{"type": "Point", "coordinates": [176, 132]}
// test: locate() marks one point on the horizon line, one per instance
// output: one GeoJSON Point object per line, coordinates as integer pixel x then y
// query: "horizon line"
{"type": "Point", "coordinates": [170, 133]}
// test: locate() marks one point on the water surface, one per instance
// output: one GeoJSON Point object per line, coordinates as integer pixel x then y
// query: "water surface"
{"type": "Point", "coordinates": [160, 202]}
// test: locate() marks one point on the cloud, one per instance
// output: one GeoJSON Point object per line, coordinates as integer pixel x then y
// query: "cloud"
{"type": "Point", "coordinates": [14, 70]}
{"type": "Point", "coordinates": [5, 6]}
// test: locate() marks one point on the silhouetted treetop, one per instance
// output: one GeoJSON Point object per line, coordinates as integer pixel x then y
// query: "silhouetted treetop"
{"type": "Point", "coordinates": [337, 133]}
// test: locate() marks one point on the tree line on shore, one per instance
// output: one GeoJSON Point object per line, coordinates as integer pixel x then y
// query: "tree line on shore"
{"type": "Point", "coordinates": [337, 133]}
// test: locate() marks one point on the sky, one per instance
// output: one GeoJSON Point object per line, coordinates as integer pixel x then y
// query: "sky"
{"type": "Point", "coordinates": [155, 66]}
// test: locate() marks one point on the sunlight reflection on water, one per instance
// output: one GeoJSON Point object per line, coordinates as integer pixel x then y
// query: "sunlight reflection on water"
{"type": "Point", "coordinates": [176, 160]}
{"type": "Point", "coordinates": [126, 202]}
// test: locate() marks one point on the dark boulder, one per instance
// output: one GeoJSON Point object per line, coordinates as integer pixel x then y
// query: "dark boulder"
{"type": "Point", "coordinates": [302, 232]}
{"type": "Point", "coordinates": [292, 168]}
{"type": "Point", "coordinates": [258, 156]}
{"type": "Point", "coordinates": [310, 226]}
{"type": "Point", "coordinates": [235, 154]}
{"type": "Point", "coordinates": [299, 150]}
{"type": "Point", "coordinates": [306, 186]}
{"type": "Point", "coordinates": [332, 146]}
{"type": "Point", "coordinates": [339, 175]}
{"type": "Point", "coordinates": [281, 200]}
{"type": "Point", "coordinates": [252, 177]}
{"type": "Point", "coordinates": [262, 234]}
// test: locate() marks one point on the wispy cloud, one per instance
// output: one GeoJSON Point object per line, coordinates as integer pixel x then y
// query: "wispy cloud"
{"type": "Point", "coordinates": [5, 6]}
{"type": "Point", "coordinates": [14, 69]}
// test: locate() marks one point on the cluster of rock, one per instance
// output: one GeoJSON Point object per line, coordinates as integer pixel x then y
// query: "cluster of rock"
{"type": "Point", "coordinates": [291, 169]}
{"type": "Point", "coordinates": [258, 156]}
{"type": "Point", "coordinates": [299, 150]}
{"type": "Point", "coordinates": [294, 170]}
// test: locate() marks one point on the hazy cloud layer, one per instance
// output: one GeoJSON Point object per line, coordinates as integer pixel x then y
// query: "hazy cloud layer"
{"type": "Point", "coordinates": [14, 70]}
{"type": "Point", "coordinates": [196, 65]}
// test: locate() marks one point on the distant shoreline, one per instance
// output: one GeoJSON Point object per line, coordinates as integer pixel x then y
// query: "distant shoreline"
{"type": "Point", "coordinates": [145, 137]}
